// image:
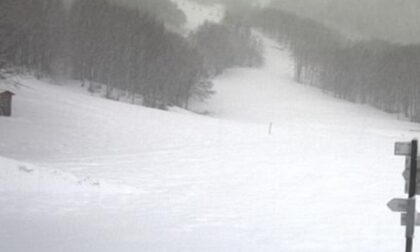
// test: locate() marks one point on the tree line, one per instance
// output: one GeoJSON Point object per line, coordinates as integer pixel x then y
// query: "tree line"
{"type": "Point", "coordinates": [227, 44]}
{"type": "Point", "coordinates": [128, 50]}
{"type": "Point", "coordinates": [376, 72]}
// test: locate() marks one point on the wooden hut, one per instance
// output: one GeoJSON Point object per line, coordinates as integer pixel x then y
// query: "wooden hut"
{"type": "Point", "coordinates": [5, 102]}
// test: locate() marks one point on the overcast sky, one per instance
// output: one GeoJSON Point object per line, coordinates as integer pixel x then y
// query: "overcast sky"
{"type": "Point", "coordinates": [391, 20]}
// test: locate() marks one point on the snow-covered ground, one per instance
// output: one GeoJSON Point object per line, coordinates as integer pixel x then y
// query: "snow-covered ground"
{"type": "Point", "coordinates": [108, 176]}
{"type": "Point", "coordinates": [81, 173]}
{"type": "Point", "coordinates": [269, 94]}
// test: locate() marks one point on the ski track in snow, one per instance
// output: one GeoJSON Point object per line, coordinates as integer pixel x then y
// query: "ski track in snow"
{"type": "Point", "coordinates": [108, 176]}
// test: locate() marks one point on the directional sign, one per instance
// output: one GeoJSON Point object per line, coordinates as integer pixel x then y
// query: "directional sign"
{"type": "Point", "coordinates": [398, 205]}
{"type": "Point", "coordinates": [406, 174]}
{"type": "Point", "coordinates": [402, 148]}
{"type": "Point", "coordinates": [404, 219]}
{"type": "Point", "coordinates": [410, 218]}
{"type": "Point", "coordinates": [408, 164]}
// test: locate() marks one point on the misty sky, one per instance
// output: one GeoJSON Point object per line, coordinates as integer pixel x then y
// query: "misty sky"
{"type": "Point", "coordinates": [391, 20]}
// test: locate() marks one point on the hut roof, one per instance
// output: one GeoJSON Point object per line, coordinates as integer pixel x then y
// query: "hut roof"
{"type": "Point", "coordinates": [3, 91]}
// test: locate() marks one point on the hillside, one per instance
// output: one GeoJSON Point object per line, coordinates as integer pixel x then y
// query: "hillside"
{"type": "Point", "coordinates": [203, 183]}
{"type": "Point", "coordinates": [82, 173]}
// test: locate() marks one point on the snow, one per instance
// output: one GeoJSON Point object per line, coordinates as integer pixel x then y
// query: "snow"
{"type": "Point", "coordinates": [81, 173]}
{"type": "Point", "coordinates": [269, 94]}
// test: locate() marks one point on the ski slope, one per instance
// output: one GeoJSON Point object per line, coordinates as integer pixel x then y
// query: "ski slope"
{"type": "Point", "coordinates": [109, 176]}
{"type": "Point", "coordinates": [81, 173]}
{"type": "Point", "coordinates": [269, 94]}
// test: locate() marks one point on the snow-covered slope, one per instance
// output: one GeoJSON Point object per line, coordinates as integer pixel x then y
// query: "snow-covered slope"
{"type": "Point", "coordinates": [99, 175]}
{"type": "Point", "coordinates": [169, 181]}
{"type": "Point", "coordinates": [269, 94]}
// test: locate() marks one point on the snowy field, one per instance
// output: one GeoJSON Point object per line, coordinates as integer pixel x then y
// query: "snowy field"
{"type": "Point", "coordinates": [81, 173]}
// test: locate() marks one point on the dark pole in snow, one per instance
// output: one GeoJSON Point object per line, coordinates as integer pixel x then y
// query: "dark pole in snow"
{"type": "Point", "coordinates": [411, 194]}
{"type": "Point", "coordinates": [409, 244]}
{"type": "Point", "coordinates": [413, 169]}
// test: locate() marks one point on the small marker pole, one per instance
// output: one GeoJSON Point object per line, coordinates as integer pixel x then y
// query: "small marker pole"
{"type": "Point", "coordinates": [411, 197]}
{"type": "Point", "coordinates": [270, 127]}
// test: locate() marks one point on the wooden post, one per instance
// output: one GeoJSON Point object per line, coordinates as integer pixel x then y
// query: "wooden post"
{"type": "Point", "coordinates": [411, 209]}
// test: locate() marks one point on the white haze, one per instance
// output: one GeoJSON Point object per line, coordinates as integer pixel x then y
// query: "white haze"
{"type": "Point", "coordinates": [395, 21]}
{"type": "Point", "coordinates": [390, 20]}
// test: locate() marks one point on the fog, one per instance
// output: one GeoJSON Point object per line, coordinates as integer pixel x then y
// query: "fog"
{"type": "Point", "coordinates": [391, 20]}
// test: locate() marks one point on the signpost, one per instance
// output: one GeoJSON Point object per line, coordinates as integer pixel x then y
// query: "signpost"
{"type": "Point", "coordinates": [398, 205]}
{"type": "Point", "coordinates": [404, 219]}
{"type": "Point", "coordinates": [402, 149]}
{"type": "Point", "coordinates": [406, 174]}
{"type": "Point", "coordinates": [409, 217]}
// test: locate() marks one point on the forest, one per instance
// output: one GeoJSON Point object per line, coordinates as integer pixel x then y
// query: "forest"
{"type": "Point", "coordinates": [376, 72]}
{"type": "Point", "coordinates": [131, 51]}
